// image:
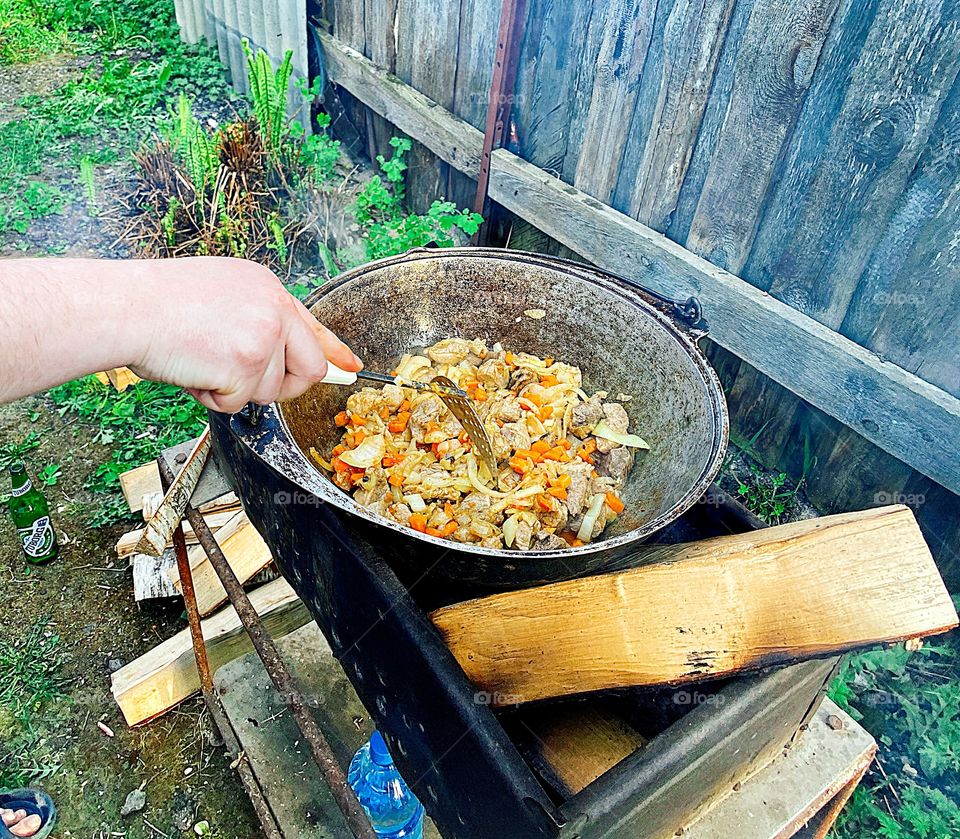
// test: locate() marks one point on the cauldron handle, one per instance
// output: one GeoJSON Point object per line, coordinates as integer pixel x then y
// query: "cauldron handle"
{"type": "Point", "coordinates": [688, 312]}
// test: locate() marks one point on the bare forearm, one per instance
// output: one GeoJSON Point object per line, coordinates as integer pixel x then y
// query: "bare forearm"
{"type": "Point", "coordinates": [225, 329]}
{"type": "Point", "coordinates": [63, 318]}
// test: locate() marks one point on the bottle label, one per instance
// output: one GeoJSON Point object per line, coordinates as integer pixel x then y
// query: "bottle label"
{"type": "Point", "coordinates": [37, 540]}
{"type": "Point", "coordinates": [16, 492]}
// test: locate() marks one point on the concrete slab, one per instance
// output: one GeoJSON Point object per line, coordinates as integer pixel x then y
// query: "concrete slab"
{"type": "Point", "coordinates": [292, 784]}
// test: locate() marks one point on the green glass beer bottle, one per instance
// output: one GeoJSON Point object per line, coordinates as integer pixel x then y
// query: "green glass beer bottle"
{"type": "Point", "coordinates": [31, 517]}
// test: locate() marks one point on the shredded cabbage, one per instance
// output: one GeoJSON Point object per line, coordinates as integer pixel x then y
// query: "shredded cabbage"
{"type": "Point", "coordinates": [369, 453]}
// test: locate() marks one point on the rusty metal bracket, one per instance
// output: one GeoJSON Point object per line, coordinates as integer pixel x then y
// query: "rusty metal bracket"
{"type": "Point", "coordinates": [500, 102]}
{"type": "Point", "coordinates": [280, 675]}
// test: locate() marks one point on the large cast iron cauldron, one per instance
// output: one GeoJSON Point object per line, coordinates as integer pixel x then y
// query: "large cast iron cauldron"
{"type": "Point", "coordinates": [625, 340]}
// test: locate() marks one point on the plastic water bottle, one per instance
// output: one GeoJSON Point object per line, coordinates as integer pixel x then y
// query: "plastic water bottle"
{"type": "Point", "coordinates": [394, 811]}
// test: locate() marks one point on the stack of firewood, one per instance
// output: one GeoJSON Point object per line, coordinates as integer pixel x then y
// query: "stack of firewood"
{"type": "Point", "coordinates": [166, 675]}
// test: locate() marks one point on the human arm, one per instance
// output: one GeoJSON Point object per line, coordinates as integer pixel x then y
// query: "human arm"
{"type": "Point", "coordinates": [224, 329]}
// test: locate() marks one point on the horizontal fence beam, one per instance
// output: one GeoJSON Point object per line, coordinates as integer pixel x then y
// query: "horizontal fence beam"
{"type": "Point", "coordinates": [901, 413]}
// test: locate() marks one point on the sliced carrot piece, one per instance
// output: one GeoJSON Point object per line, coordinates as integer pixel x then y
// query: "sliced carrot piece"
{"type": "Point", "coordinates": [396, 480]}
{"type": "Point", "coordinates": [356, 419]}
{"type": "Point", "coordinates": [544, 503]}
{"type": "Point", "coordinates": [549, 380]}
{"type": "Point", "coordinates": [356, 477]}
{"type": "Point", "coordinates": [541, 446]}
{"type": "Point", "coordinates": [556, 453]}
{"type": "Point", "coordinates": [480, 395]}
{"type": "Point", "coordinates": [521, 464]}
{"type": "Point", "coordinates": [358, 437]}
{"type": "Point", "coordinates": [564, 443]}
{"type": "Point", "coordinates": [418, 521]}
{"type": "Point", "coordinates": [450, 528]}
{"type": "Point", "coordinates": [448, 509]}
{"type": "Point", "coordinates": [534, 398]}
{"type": "Point", "coordinates": [433, 531]}
{"type": "Point", "coordinates": [342, 418]}
{"type": "Point", "coordinates": [548, 360]}
{"type": "Point", "coordinates": [614, 503]}
{"type": "Point", "coordinates": [508, 357]}
{"type": "Point", "coordinates": [546, 412]}
{"type": "Point", "coordinates": [558, 492]}
{"type": "Point", "coordinates": [431, 425]}
{"type": "Point", "coordinates": [339, 449]}
{"type": "Point", "coordinates": [399, 425]}
{"type": "Point", "coordinates": [405, 405]}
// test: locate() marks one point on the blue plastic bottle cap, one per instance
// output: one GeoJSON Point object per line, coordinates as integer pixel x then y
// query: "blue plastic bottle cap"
{"type": "Point", "coordinates": [378, 750]}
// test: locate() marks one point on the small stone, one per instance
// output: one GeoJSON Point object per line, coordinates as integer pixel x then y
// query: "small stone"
{"type": "Point", "coordinates": [835, 722]}
{"type": "Point", "coordinates": [114, 664]}
{"type": "Point", "coordinates": [736, 787]}
{"type": "Point", "coordinates": [136, 800]}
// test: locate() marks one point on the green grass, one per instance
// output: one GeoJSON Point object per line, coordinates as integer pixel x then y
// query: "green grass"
{"type": "Point", "coordinates": [113, 104]}
{"type": "Point", "coordinates": [137, 425]}
{"type": "Point", "coordinates": [31, 699]}
{"type": "Point", "coordinates": [911, 703]}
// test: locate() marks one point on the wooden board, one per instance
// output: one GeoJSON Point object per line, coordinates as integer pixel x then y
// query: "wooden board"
{"type": "Point", "coordinates": [707, 609]}
{"type": "Point", "coordinates": [136, 483]}
{"type": "Point", "coordinates": [165, 676]}
{"type": "Point", "coordinates": [151, 578]}
{"type": "Point", "coordinates": [244, 549]}
{"type": "Point", "coordinates": [574, 745]}
{"type": "Point", "coordinates": [164, 521]}
{"type": "Point", "coordinates": [127, 544]}
{"type": "Point", "coordinates": [893, 408]}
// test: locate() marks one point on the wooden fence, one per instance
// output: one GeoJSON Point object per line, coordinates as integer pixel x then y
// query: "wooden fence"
{"type": "Point", "coordinates": [800, 159]}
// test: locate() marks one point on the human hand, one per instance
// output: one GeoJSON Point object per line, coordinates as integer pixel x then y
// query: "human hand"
{"type": "Point", "coordinates": [228, 332]}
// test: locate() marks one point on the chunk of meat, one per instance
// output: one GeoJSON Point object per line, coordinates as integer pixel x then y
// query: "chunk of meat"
{"type": "Point", "coordinates": [585, 416]}
{"type": "Point", "coordinates": [455, 350]}
{"type": "Point", "coordinates": [475, 506]}
{"type": "Point", "coordinates": [524, 538]}
{"type": "Point", "coordinates": [364, 401]}
{"type": "Point", "coordinates": [493, 374]}
{"type": "Point", "coordinates": [519, 379]}
{"type": "Point", "coordinates": [615, 463]}
{"type": "Point", "coordinates": [507, 410]}
{"type": "Point", "coordinates": [428, 408]}
{"type": "Point", "coordinates": [617, 420]}
{"type": "Point", "coordinates": [556, 517]}
{"type": "Point", "coordinates": [391, 397]}
{"type": "Point", "coordinates": [546, 541]}
{"type": "Point", "coordinates": [516, 435]}
{"type": "Point", "coordinates": [508, 479]}
{"type": "Point", "coordinates": [578, 492]}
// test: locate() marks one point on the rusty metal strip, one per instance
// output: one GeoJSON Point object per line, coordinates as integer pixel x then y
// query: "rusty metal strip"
{"type": "Point", "coordinates": [189, 593]}
{"type": "Point", "coordinates": [500, 101]}
{"type": "Point", "coordinates": [279, 674]}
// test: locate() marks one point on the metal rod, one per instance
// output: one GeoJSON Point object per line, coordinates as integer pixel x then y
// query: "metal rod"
{"type": "Point", "coordinates": [281, 677]}
{"type": "Point", "coordinates": [189, 593]}
{"type": "Point", "coordinates": [383, 378]}
{"type": "Point", "coordinates": [500, 101]}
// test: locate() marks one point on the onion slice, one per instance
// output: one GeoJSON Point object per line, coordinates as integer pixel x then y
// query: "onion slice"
{"type": "Point", "coordinates": [605, 432]}
{"type": "Point", "coordinates": [369, 453]}
{"type": "Point", "coordinates": [585, 533]}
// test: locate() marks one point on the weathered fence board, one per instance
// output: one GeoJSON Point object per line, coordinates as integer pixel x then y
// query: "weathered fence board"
{"type": "Point", "coordinates": [846, 169]}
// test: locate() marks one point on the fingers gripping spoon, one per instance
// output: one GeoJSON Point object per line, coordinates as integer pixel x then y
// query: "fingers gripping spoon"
{"type": "Point", "coordinates": [455, 399]}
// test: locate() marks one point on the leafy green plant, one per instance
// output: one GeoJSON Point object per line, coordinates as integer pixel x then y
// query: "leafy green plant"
{"type": "Point", "coordinates": [14, 452]}
{"type": "Point", "coordinates": [26, 35]}
{"type": "Point", "coordinates": [49, 475]}
{"type": "Point", "coordinates": [910, 701]}
{"type": "Point", "coordinates": [269, 90]}
{"type": "Point", "coordinates": [89, 185]}
{"type": "Point", "coordinates": [192, 145]}
{"type": "Point", "coordinates": [36, 201]}
{"type": "Point", "coordinates": [386, 226]}
{"type": "Point", "coordinates": [136, 424]}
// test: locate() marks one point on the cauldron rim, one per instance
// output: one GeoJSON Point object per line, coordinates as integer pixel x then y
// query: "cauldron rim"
{"type": "Point", "coordinates": [276, 444]}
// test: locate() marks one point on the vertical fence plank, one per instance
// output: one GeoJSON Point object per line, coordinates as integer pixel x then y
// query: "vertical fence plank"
{"type": "Point", "coordinates": [479, 24]}
{"type": "Point", "coordinates": [380, 21]}
{"type": "Point", "coordinates": [777, 56]}
{"type": "Point", "coordinates": [427, 41]}
{"type": "Point", "coordinates": [822, 221]}
{"type": "Point", "coordinates": [553, 51]}
{"type": "Point", "coordinates": [677, 77]}
{"type": "Point", "coordinates": [906, 304]}
{"type": "Point", "coordinates": [623, 51]}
